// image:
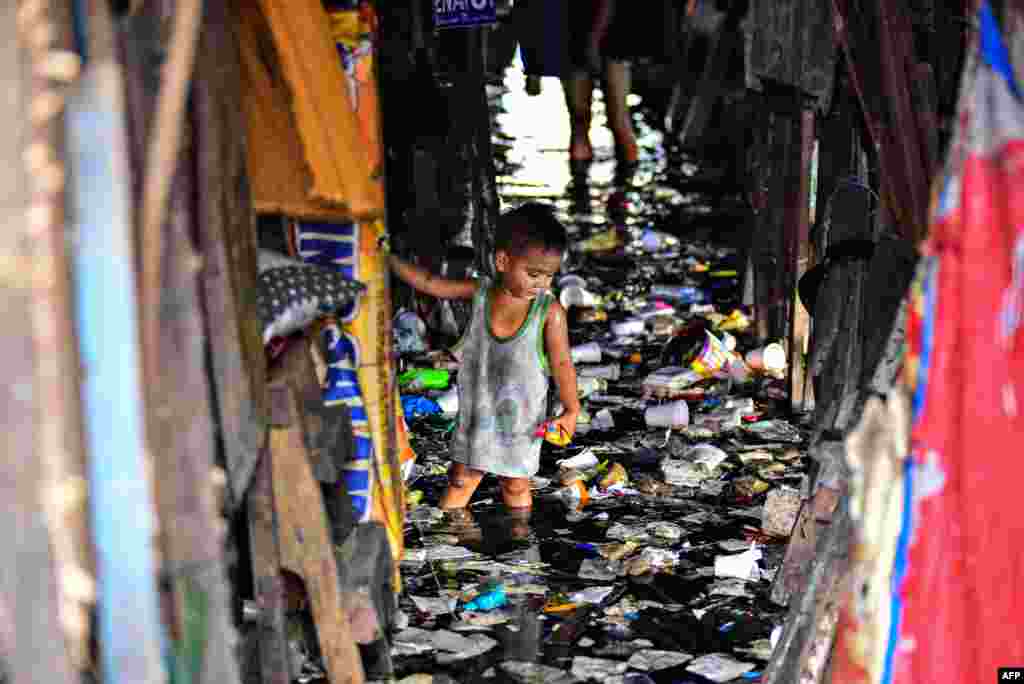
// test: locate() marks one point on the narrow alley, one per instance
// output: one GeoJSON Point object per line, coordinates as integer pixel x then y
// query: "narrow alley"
{"type": "Point", "coordinates": [652, 546]}
{"type": "Point", "coordinates": [512, 341]}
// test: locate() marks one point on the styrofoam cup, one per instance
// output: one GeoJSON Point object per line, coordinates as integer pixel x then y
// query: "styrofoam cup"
{"type": "Point", "coordinates": [609, 372]}
{"type": "Point", "coordinates": [630, 326]}
{"type": "Point", "coordinates": [673, 414]}
{"type": "Point", "coordinates": [770, 358]}
{"type": "Point", "coordinates": [449, 401]}
{"type": "Point", "coordinates": [575, 295]}
{"type": "Point", "coordinates": [572, 280]}
{"type": "Point", "coordinates": [586, 353]}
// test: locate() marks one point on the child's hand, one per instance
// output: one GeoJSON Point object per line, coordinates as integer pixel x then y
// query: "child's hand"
{"type": "Point", "coordinates": [566, 422]}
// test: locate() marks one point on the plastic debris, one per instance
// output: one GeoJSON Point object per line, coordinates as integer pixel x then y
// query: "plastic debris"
{"type": "Point", "coordinates": [419, 379]}
{"type": "Point", "coordinates": [651, 660]}
{"type": "Point", "coordinates": [535, 673]}
{"type": "Point", "coordinates": [495, 598]}
{"type": "Point", "coordinates": [665, 530]}
{"type": "Point", "coordinates": [719, 667]}
{"type": "Point", "coordinates": [681, 459]}
{"type": "Point", "coordinates": [781, 507]}
{"type": "Point", "coordinates": [596, 669]}
{"type": "Point", "coordinates": [432, 605]}
{"type": "Point", "coordinates": [741, 565]}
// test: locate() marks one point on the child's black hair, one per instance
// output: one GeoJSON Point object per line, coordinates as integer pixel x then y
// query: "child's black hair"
{"type": "Point", "coordinates": [530, 225]}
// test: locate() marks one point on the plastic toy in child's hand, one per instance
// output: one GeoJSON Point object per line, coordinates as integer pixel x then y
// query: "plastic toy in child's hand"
{"type": "Point", "coordinates": [554, 433]}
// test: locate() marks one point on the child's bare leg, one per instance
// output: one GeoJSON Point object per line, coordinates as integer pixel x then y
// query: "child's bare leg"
{"type": "Point", "coordinates": [516, 492]}
{"type": "Point", "coordinates": [462, 482]}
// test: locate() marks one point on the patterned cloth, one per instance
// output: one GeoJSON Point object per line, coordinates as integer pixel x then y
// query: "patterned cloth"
{"type": "Point", "coordinates": [952, 609]}
{"type": "Point", "coordinates": [289, 298]}
{"type": "Point", "coordinates": [503, 386]}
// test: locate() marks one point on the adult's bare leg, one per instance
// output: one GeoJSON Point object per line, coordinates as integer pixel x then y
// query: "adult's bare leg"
{"type": "Point", "coordinates": [579, 90]}
{"type": "Point", "coordinates": [617, 88]}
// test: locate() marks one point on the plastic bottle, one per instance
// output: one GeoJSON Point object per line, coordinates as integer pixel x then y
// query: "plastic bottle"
{"type": "Point", "coordinates": [574, 494]}
{"type": "Point", "coordinates": [608, 372]}
{"type": "Point", "coordinates": [418, 379]}
{"type": "Point", "coordinates": [587, 386]}
{"type": "Point", "coordinates": [495, 598]}
{"type": "Point", "coordinates": [683, 294]}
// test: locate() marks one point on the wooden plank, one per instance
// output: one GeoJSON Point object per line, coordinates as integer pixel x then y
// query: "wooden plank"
{"type": "Point", "coordinates": [304, 537]}
{"type": "Point", "coordinates": [180, 421]}
{"type": "Point", "coordinates": [266, 571]}
{"type": "Point", "coordinates": [333, 153]}
{"type": "Point", "coordinates": [227, 240]}
{"type": "Point", "coordinates": [805, 645]}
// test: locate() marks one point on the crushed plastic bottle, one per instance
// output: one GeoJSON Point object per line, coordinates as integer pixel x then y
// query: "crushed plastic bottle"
{"type": "Point", "coordinates": [489, 600]}
{"type": "Point", "coordinates": [419, 379]}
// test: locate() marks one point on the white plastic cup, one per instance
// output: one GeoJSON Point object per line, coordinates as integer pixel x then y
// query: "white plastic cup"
{"type": "Point", "coordinates": [572, 281]}
{"type": "Point", "coordinates": [628, 327]}
{"type": "Point", "coordinates": [672, 414]}
{"type": "Point", "coordinates": [449, 401]}
{"type": "Point", "coordinates": [586, 353]}
{"type": "Point", "coordinates": [771, 358]}
{"type": "Point", "coordinates": [739, 371]}
{"type": "Point", "coordinates": [609, 372]}
{"type": "Point", "coordinates": [575, 295]}
{"type": "Point", "coordinates": [587, 386]}
{"type": "Point", "coordinates": [602, 420]}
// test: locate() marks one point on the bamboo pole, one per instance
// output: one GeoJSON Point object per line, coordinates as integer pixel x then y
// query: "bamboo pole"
{"type": "Point", "coordinates": [123, 516]}
{"type": "Point", "coordinates": [46, 35]}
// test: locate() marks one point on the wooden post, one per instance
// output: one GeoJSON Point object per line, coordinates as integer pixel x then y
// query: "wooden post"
{"type": "Point", "coordinates": [180, 422]}
{"type": "Point", "coordinates": [266, 572]}
{"type": "Point", "coordinates": [798, 262]}
{"type": "Point", "coordinates": [31, 639]}
{"type": "Point", "coordinates": [226, 231]}
{"type": "Point", "coordinates": [304, 537]}
{"type": "Point", "coordinates": [61, 439]}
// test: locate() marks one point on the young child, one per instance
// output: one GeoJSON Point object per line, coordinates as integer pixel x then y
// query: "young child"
{"type": "Point", "coordinates": [516, 337]}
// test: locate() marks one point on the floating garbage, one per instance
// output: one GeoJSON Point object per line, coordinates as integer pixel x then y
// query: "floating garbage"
{"type": "Point", "coordinates": [741, 566]}
{"type": "Point", "coordinates": [599, 669]}
{"type": "Point", "coordinates": [678, 485]}
{"type": "Point", "coordinates": [673, 414]}
{"type": "Point", "coordinates": [719, 667]}
{"type": "Point", "coordinates": [590, 352]}
{"type": "Point", "coordinates": [780, 511]}
{"type": "Point", "coordinates": [419, 379]}
{"type": "Point", "coordinates": [651, 660]}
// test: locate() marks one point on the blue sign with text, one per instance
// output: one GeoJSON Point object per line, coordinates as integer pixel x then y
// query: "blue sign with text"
{"type": "Point", "coordinates": [461, 13]}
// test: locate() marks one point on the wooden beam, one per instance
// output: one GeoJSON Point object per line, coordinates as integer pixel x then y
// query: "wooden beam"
{"type": "Point", "coordinates": [799, 261]}
{"type": "Point", "coordinates": [266, 572]}
{"type": "Point", "coordinates": [304, 537]}
{"type": "Point", "coordinates": [226, 231]}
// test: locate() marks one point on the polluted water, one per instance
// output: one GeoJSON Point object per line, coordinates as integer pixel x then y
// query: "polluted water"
{"type": "Point", "coordinates": [656, 532]}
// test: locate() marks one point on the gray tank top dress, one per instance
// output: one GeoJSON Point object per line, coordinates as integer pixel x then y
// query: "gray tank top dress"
{"type": "Point", "coordinates": [503, 391]}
